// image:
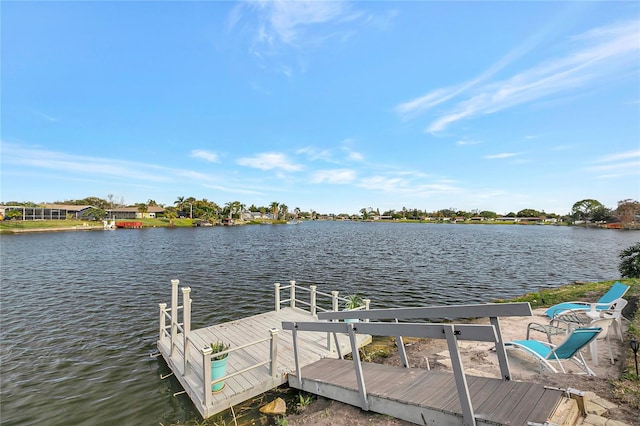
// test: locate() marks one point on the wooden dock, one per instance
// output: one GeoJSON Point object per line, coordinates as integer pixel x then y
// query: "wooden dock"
{"type": "Point", "coordinates": [261, 354]}
{"type": "Point", "coordinates": [305, 348]}
{"type": "Point", "coordinates": [430, 397]}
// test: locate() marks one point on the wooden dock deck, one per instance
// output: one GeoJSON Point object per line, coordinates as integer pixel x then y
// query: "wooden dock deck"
{"type": "Point", "coordinates": [261, 354]}
{"type": "Point", "coordinates": [423, 396]}
{"type": "Point", "coordinates": [430, 397]}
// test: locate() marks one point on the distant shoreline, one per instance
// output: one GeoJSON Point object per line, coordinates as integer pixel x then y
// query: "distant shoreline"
{"type": "Point", "coordinates": [13, 227]}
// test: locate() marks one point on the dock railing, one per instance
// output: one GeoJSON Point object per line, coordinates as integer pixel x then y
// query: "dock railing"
{"type": "Point", "coordinates": [493, 311]}
{"type": "Point", "coordinates": [449, 331]}
{"type": "Point", "coordinates": [315, 301]}
{"type": "Point", "coordinates": [170, 333]}
{"type": "Point", "coordinates": [207, 355]}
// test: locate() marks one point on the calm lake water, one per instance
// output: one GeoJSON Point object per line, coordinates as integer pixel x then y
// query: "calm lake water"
{"type": "Point", "coordinates": [79, 309]}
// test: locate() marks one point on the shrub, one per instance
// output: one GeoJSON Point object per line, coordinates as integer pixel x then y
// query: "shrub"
{"type": "Point", "coordinates": [630, 261]}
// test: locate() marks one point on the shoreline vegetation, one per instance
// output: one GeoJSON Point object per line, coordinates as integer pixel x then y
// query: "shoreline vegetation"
{"type": "Point", "coordinates": [19, 226]}
{"type": "Point", "coordinates": [623, 390]}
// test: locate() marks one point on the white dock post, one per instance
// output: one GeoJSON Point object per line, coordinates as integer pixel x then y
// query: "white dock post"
{"type": "Point", "coordinates": [186, 327]}
{"type": "Point", "coordinates": [313, 300]}
{"type": "Point", "coordinates": [367, 303]}
{"type": "Point", "coordinates": [293, 293]}
{"type": "Point", "coordinates": [163, 310]}
{"type": "Point", "coordinates": [274, 353]}
{"type": "Point", "coordinates": [277, 289]}
{"type": "Point", "coordinates": [206, 376]}
{"type": "Point", "coordinates": [174, 313]}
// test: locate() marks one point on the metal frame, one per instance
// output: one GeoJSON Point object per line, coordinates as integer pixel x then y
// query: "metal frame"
{"type": "Point", "coordinates": [451, 332]}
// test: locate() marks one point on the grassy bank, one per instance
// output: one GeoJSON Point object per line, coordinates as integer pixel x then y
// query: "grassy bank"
{"type": "Point", "coordinates": [9, 226]}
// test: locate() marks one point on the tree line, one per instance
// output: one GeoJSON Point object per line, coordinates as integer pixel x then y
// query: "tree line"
{"type": "Point", "coordinates": [587, 210]}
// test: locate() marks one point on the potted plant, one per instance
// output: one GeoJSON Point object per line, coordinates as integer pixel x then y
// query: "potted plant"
{"type": "Point", "coordinates": [218, 364]}
{"type": "Point", "coordinates": [352, 302]}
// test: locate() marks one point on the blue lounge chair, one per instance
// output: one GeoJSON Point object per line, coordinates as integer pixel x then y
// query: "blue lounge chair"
{"type": "Point", "coordinates": [616, 291]}
{"type": "Point", "coordinates": [569, 349]}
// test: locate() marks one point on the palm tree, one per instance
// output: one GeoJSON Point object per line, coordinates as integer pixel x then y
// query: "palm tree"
{"type": "Point", "coordinates": [142, 209]}
{"type": "Point", "coordinates": [170, 213]}
{"type": "Point", "coordinates": [179, 202]}
{"type": "Point", "coordinates": [274, 209]}
{"type": "Point", "coordinates": [191, 202]}
{"type": "Point", "coordinates": [284, 211]}
{"type": "Point", "coordinates": [233, 207]}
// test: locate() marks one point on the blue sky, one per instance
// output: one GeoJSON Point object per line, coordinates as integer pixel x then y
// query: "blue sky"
{"type": "Point", "coordinates": [330, 106]}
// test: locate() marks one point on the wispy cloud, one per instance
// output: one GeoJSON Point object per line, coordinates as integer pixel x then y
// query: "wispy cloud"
{"type": "Point", "coordinates": [315, 154]}
{"type": "Point", "coordinates": [269, 161]}
{"type": "Point", "coordinates": [277, 27]}
{"type": "Point", "coordinates": [629, 165]}
{"type": "Point", "coordinates": [501, 155]}
{"type": "Point", "coordinates": [336, 176]}
{"type": "Point", "coordinates": [209, 156]}
{"type": "Point", "coordinates": [403, 185]}
{"type": "Point", "coordinates": [46, 117]}
{"type": "Point", "coordinates": [288, 23]}
{"type": "Point", "coordinates": [467, 142]}
{"type": "Point", "coordinates": [40, 158]}
{"type": "Point", "coordinates": [596, 56]}
{"type": "Point", "coordinates": [415, 107]}
{"type": "Point", "coordinates": [621, 164]}
{"type": "Point", "coordinates": [620, 156]}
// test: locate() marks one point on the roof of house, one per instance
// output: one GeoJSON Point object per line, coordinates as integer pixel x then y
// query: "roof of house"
{"type": "Point", "coordinates": [68, 207]}
{"type": "Point", "coordinates": [150, 209]}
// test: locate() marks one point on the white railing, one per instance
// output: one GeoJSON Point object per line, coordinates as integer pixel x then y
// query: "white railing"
{"type": "Point", "coordinates": [170, 333]}
{"type": "Point", "coordinates": [207, 354]}
{"type": "Point", "coordinates": [312, 302]}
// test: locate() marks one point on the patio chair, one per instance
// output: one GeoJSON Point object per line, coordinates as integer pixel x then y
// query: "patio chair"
{"type": "Point", "coordinates": [560, 324]}
{"type": "Point", "coordinates": [603, 323]}
{"type": "Point", "coordinates": [616, 291]}
{"type": "Point", "coordinates": [569, 349]}
{"type": "Point", "coordinates": [616, 314]}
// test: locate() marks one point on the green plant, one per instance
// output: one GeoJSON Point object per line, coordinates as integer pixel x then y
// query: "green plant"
{"type": "Point", "coordinates": [353, 301]}
{"type": "Point", "coordinates": [630, 261]}
{"type": "Point", "coordinates": [281, 421]}
{"type": "Point", "coordinates": [303, 402]}
{"type": "Point", "coordinates": [217, 347]}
